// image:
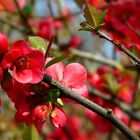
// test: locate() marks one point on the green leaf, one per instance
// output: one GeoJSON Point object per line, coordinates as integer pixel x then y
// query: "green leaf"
{"type": "Point", "coordinates": [55, 60]}
{"type": "Point", "coordinates": [27, 9]}
{"type": "Point", "coordinates": [83, 24]}
{"type": "Point", "coordinates": [54, 94]}
{"type": "Point", "coordinates": [102, 16]}
{"type": "Point", "coordinates": [86, 29]}
{"type": "Point", "coordinates": [38, 43]}
{"type": "Point", "coordinates": [30, 133]}
{"type": "Point", "coordinates": [92, 15]}
{"type": "Point", "coordinates": [59, 102]}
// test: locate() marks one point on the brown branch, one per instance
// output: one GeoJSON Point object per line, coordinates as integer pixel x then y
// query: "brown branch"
{"type": "Point", "coordinates": [122, 105]}
{"type": "Point", "coordinates": [23, 19]}
{"type": "Point", "coordinates": [119, 46]}
{"type": "Point", "coordinates": [95, 58]}
{"type": "Point", "coordinates": [106, 113]}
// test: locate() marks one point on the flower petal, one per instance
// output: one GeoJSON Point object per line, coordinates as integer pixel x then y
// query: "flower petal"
{"type": "Point", "coordinates": [58, 118]}
{"type": "Point", "coordinates": [37, 75]}
{"type": "Point", "coordinates": [22, 76]}
{"type": "Point", "coordinates": [74, 75]}
{"type": "Point", "coordinates": [10, 58]}
{"type": "Point", "coordinates": [83, 91]}
{"type": "Point", "coordinates": [37, 58]}
{"type": "Point", "coordinates": [56, 70]}
{"type": "Point", "coordinates": [21, 45]}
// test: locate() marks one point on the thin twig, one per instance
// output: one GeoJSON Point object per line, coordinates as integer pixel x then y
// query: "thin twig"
{"type": "Point", "coordinates": [106, 113]}
{"type": "Point", "coordinates": [119, 46]}
{"type": "Point", "coordinates": [24, 19]}
{"type": "Point", "coordinates": [95, 58]}
{"type": "Point", "coordinates": [122, 105]}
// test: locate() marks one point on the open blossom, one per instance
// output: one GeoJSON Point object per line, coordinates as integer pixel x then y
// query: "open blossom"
{"type": "Point", "coordinates": [26, 63]}
{"type": "Point", "coordinates": [73, 76]}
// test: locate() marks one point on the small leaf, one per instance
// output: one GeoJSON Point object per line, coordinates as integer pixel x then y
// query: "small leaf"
{"type": "Point", "coordinates": [83, 24]}
{"type": "Point", "coordinates": [59, 102]}
{"type": "Point", "coordinates": [27, 9]}
{"type": "Point", "coordinates": [54, 94]}
{"type": "Point", "coordinates": [92, 15]}
{"type": "Point", "coordinates": [55, 60]}
{"type": "Point", "coordinates": [30, 133]}
{"type": "Point", "coordinates": [37, 43]}
{"type": "Point", "coordinates": [102, 16]}
{"type": "Point", "coordinates": [86, 29]}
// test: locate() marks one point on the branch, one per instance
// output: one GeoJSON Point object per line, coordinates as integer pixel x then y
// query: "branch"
{"type": "Point", "coordinates": [119, 46]}
{"type": "Point", "coordinates": [95, 58]}
{"type": "Point", "coordinates": [122, 105]}
{"type": "Point", "coordinates": [106, 113]}
{"type": "Point", "coordinates": [24, 19]}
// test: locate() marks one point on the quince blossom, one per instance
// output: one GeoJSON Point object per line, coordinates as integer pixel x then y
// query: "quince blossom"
{"type": "Point", "coordinates": [26, 63]}
{"type": "Point", "coordinates": [72, 76]}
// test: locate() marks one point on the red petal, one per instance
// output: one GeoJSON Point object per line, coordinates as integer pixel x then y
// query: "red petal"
{"type": "Point", "coordinates": [22, 76]}
{"type": "Point", "coordinates": [3, 43]}
{"type": "Point", "coordinates": [21, 45]}
{"type": "Point", "coordinates": [74, 75]}
{"type": "Point", "coordinates": [82, 90]}
{"type": "Point", "coordinates": [10, 58]}
{"type": "Point", "coordinates": [37, 58]}
{"type": "Point", "coordinates": [56, 70]}
{"type": "Point", "coordinates": [37, 75]}
{"type": "Point", "coordinates": [59, 119]}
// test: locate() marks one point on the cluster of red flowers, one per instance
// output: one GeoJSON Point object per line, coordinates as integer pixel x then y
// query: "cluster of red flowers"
{"type": "Point", "coordinates": [73, 130]}
{"type": "Point", "coordinates": [21, 76]}
{"type": "Point", "coordinates": [124, 92]}
{"type": "Point", "coordinates": [125, 28]}
{"type": "Point", "coordinates": [47, 27]}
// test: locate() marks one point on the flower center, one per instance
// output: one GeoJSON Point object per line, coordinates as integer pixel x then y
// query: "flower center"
{"type": "Point", "coordinates": [22, 63]}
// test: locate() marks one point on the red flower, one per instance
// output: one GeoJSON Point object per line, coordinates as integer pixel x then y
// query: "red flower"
{"type": "Point", "coordinates": [73, 76]}
{"type": "Point", "coordinates": [58, 117]}
{"type": "Point", "coordinates": [3, 44]}
{"type": "Point", "coordinates": [27, 64]}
